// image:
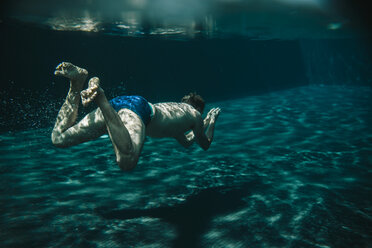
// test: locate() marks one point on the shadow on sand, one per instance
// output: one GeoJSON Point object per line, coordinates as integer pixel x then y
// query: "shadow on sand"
{"type": "Point", "coordinates": [192, 217]}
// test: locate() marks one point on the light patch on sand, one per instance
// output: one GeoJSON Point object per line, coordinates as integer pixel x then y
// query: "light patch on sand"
{"type": "Point", "coordinates": [349, 179]}
{"type": "Point", "coordinates": [260, 198]}
{"type": "Point", "coordinates": [273, 219]}
{"type": "Point", "coordinates": [233, 217]}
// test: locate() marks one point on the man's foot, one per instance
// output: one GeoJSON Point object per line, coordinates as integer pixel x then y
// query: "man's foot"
{"type": "Point", "coordinates": [72, 72]}
{"type": "Point", "coordinates": [93, 90]}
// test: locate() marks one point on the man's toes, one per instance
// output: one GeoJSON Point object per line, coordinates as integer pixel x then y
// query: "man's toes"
{"type": "Point", "coordinates": [91, 93]}
{"type": "Point", "coordinates": [86, 100]}
{"type": "Point", "coordinates": [94, 95]}
{"type": "Point", "coordinates": [85, 93]}
{"type": "Point", "coordinates": [62, 65]}
{"type": "Point", "coordinates": [60, 69]}
{"type": "Point", "coordinates": [67, 65]}
{"type": "Point", "coordinates": [59, 66]}
{"type": "Point", "coordinates": [92, 89]}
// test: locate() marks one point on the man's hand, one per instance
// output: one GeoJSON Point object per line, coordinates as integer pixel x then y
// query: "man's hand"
{"type": "Point", "coordinates": [214, 113]}
{"type": "Point", "coordinates": [211, 116]}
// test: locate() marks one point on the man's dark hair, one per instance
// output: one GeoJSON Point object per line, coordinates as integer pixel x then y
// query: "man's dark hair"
{"type": "Point", "coordinates": [194, 100]}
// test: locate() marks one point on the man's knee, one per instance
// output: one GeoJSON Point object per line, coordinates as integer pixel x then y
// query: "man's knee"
{"type": "Point", "coordinates": [58, 141]}
{"type": "Point", "coordinates": [127, 162]}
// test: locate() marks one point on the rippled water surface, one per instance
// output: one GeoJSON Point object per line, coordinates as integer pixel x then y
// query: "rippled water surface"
{"type": "Point", "coordinates": [286, 169]}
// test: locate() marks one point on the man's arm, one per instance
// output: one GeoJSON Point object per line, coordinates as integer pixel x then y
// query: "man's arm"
{"type": "Point", "coordinates": [188, 139]}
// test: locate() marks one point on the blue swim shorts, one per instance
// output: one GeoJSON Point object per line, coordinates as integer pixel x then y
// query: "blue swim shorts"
{"type": "Point", "coordinates": [137, 104]}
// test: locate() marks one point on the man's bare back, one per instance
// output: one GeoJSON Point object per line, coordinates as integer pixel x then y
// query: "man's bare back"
{"type": "Point", "coordinates": [171, 119]}
{"type": "Point", "coordinates": [126, 127]}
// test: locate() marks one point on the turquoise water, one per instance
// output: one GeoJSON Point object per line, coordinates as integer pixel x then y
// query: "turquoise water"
{"type": "Point", "coordinates": [286, 169]}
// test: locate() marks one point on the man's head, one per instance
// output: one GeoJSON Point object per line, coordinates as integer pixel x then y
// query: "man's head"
{"type": "Point", "coordinates": [194, 100]}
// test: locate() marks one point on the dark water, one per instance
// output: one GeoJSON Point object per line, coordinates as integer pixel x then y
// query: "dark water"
{"type": "Point", "coordinates": [287, 169]}
{"type": "Point", "coordinates": [164, 49]}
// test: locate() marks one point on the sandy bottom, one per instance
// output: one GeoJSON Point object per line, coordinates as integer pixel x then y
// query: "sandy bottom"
{"type": "Point", "coordinates": [287, 169]}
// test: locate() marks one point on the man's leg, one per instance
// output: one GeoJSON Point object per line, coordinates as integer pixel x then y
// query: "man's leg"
{"type": "Point", "coordinates": [64, 134]}
{"type": "Point", "coordinates": [125, 128]}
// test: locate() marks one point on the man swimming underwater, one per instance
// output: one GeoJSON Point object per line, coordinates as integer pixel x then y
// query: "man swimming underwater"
{"type": "Point", "coordinates": [128, 119]}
